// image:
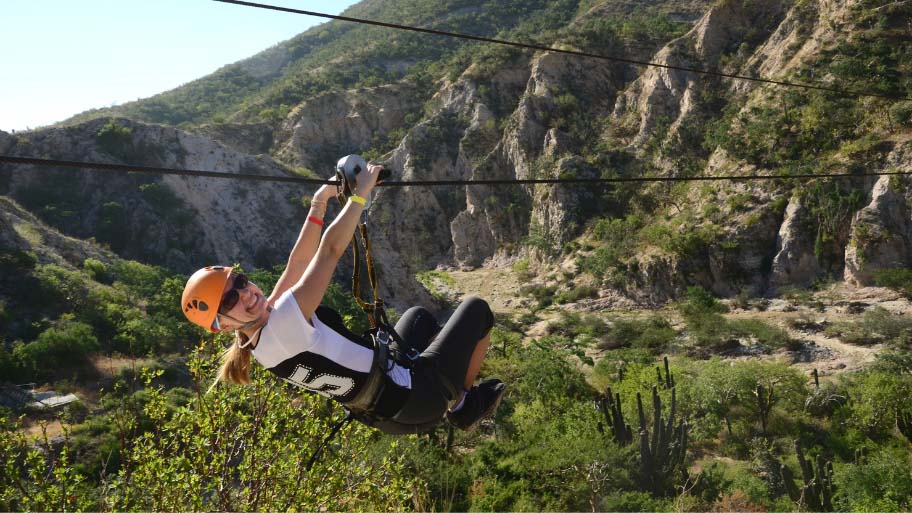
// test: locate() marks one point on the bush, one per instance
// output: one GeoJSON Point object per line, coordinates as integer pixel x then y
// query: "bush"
{"type": "Point", "coordinates": [765, 334]}
{"type": "Point", "coordinates": [115, 140]}
{"type": "Point", "coordinates": [883, 483]}
{"type": "Point", "coordinates": [634, 501]}
{"type": "Point", "coordinates": [573, 324]}
{"type": "Point", "coordinates": [96, 270]}
{"type": "Point", "coordinates": [66, 347]}
{"type": "Point", "coordinates": [899, 279]}
{"type": "Point", "coordinates": [875, 395]}
{"type": "Point", "coordinates": [544, 295]}
{"type": "Point", "coordinates": [700, 301]}
{"type": "Point", "coordinates": [902, 112]}
{"type": "Point", "coordinates": [575, 294]}
{"type": "Point", "coordinates": [654, 334]}
{"type": "Point", "coordinates": [877, 325]}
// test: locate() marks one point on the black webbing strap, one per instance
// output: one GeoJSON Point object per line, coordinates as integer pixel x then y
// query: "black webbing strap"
{"type": "Point", "coordinates": [332, 434]}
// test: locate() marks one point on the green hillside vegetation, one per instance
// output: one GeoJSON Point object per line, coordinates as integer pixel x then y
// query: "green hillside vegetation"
{"type": "Point", "coordinates": [676, 409]}
{"type": "Point", "coordinates": [156, 439]}
{"type": "Point", "coordinates": [364, 56]}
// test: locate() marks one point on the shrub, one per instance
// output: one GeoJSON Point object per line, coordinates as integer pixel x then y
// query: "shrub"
{"type": "Point", "coordinates": [544, 295]}
{"type": "Point", "coordinates": [700, 301]}
{"type": "Point", "coordinates": [115, 140]}
{"type": "Point", "coordinates": [875, 395]}
{"type": "Point", "coordinates": [771, 337]}
{"type": "Point", "coordinates": [521, 268]}
{"type": "Point", "coordinates": [877, 325]}
{"type": "Point", "coordinates": [898, 278]}
{"type": "Point", "coordinates": [65, 347]}
{"type": "Point", "coordinates": [882, 483]}
{"type": "Point", "coordinates": [575, 294]}
{"type": "Point", "coordinates": [96, 269]}
{"type": "Point", "coordinates": [573, 324]}
{"type": "Point", "coordinates": [653, 334]}
{"type": "Point", "coordinates": [902, 112]}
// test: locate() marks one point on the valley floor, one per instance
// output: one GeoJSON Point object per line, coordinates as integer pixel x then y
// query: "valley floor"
{"type": "Point", "coordinates": [804, 316]}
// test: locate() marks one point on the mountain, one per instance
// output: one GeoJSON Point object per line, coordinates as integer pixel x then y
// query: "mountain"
{"type": "Point", "coordinates": [434, 108]}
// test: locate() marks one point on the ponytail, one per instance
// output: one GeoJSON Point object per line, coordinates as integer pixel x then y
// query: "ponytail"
{"type": "Point", "coordinates": [236, 362]}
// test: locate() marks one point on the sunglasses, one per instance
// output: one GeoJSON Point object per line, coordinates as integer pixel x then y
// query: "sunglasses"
{"type": "Point", "coordinates": [232, 296]}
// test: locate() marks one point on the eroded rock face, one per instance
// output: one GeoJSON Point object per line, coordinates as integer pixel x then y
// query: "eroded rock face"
{"type": "Point", "coordinates": [881, 234]}
{"type": "Point", "coordinates": [334, 124]}
{"type": "Point", "coordinates": [252, 138]}
{"type": "Point", "coordinates": [663, 97]}
{"type": "Point", "coordinates": [795, 262]}
{"type": "Point", "coordinates": [181, 222]}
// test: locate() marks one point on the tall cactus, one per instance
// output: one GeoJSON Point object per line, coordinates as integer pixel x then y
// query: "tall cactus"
{"type": "Point", "coordinates": [668, 380]}
{"type": "Point", "coordinates": [611, 408]}
{"type": "Point", "coordinates": [765, 403]}
{"type": "Point", "coordinates": [817, 492]}
{"type": "Point", "coordinates": [662, 453]}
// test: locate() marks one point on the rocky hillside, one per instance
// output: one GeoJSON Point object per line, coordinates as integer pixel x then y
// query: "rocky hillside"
{"type": "Point", "coordinates": [435, 109]}
{"type": "Point", "coordinates": [168, 220]}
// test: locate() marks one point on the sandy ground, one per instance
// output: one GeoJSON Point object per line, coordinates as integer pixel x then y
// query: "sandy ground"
{"type": "Point", "coordinates": [840, 303]}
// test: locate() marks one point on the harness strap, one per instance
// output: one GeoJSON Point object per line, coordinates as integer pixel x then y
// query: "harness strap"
{"type": "Point", "coordinates": [370, 393]}
{"type": "Point", "coordinates": [348, 418]}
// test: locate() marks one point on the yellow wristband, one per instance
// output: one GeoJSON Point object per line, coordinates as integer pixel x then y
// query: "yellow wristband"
{"type": "Point", "coordinates": [357, 199]}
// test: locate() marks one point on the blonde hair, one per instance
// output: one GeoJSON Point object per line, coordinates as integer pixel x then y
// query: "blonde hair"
{"type": "Point", "coordinates": [235, 367]}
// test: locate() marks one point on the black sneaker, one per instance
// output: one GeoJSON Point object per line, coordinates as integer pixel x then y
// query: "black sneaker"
{"type": "Point", "coordinates": [480, 403]}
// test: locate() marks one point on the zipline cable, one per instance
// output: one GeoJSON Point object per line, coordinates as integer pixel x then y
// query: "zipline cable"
{"type": "Point", "coordinates": [527, 46]}
{"type": "Point", "coordinates": [29, 161]}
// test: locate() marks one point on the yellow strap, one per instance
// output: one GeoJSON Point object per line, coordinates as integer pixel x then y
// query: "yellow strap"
{"type": "Point", "coordinates": [357, 199]}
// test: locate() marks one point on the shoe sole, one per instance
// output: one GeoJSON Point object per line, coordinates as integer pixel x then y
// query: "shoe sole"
{"type": "Point", "coordinates": [488, 412]}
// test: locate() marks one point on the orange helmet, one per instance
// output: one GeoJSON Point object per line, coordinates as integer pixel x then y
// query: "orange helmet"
{"type": "Point", "coordinates": [203, 295]}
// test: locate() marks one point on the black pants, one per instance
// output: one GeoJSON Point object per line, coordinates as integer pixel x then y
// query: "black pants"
{"type": "Point", "coordinates": [439, 372]}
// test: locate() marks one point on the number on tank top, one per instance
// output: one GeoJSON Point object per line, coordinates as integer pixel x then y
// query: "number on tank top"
{"type": "Point", "coordinates": [323, 384]}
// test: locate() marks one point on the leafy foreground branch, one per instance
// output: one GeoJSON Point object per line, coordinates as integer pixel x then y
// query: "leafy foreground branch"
{"type": "Point", "coordinates": [232, 449]}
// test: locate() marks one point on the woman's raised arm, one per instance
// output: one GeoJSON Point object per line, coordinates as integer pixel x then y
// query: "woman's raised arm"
{"type": "Point", "coordinates": [309, 290]}
{"type": "Point", "coordinates": [306, 246]}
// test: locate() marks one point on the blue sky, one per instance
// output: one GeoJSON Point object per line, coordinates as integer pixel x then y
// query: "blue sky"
{"type": "Point", "coordinates": [61, 57]}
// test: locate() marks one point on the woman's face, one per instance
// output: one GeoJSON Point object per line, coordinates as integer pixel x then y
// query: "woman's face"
{"type": "Point", "coordinates": [250, 306]}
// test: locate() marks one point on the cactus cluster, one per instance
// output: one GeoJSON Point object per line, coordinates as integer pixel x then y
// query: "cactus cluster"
{"type": "Point", "coordinates": [816, 494]}
{"type": "Point", "coordinates": [662, 453]}
{"type": "Point", "coordinates": [610, 404]}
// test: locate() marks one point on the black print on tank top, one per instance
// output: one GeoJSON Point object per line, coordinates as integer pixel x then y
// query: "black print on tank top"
{"type": "Point", "coordinates": [324, 384]}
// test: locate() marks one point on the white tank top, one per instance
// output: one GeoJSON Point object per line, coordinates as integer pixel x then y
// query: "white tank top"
{"type": "Point", "coordinates": [314, 356]}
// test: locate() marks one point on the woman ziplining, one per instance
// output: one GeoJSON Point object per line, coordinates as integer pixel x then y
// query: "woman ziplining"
{"type": "Point", "coordinates": [401, 380]}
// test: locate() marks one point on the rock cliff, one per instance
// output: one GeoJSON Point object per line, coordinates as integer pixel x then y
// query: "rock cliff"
{"type": "Point", "coordinates": [524, 115]}
{"type": "Point", "coordinates": [180, 222]}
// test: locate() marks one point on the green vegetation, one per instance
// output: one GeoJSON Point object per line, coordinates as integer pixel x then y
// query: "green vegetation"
{"type": "Point", "coordinates": [709, 331]}
{"type": "Point", "coordinates": [720, 434]}
{"type": "Point", "coordinates": [551, 446]}
{"type": "Point", "coordinates": [115, 140]}
{"type": "Point", "coordinates": [899, 279]}
{"type": "Point", "coordinates": [430, 280]}
{"type": "Point", "coordinates": [876, 326]}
